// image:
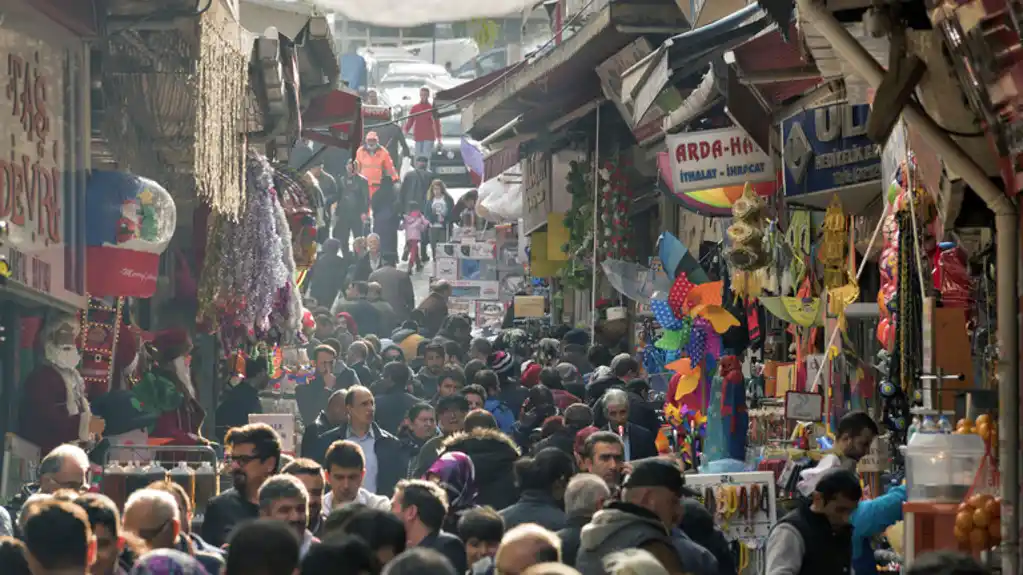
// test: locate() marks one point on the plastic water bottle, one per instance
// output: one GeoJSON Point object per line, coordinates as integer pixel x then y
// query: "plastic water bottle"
{"type": "Point", "coordinates": [913, 428]}
{"type": "Point", "coordinates": [928, 425]}
{"type": "Point", "coordinates": [944, 426]}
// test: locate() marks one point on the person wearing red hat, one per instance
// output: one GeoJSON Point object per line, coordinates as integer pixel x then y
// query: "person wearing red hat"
{"type": "Point", "coordinates": [54, 407]}
{"type": "Point", "coordinates": [167, 390]}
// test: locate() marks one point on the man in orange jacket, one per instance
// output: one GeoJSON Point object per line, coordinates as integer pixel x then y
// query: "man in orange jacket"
{"type": "Point", "coordinates": [374, 161]}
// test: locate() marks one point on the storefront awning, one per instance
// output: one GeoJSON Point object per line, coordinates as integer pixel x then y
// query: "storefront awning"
{"type": "Point", "coordinates": [775, 66]}
{"type": "Point", "coordinates": [686, 54]}
{"type": "Point", "coordinates": [564, 69]}
{"type": "Point", "coordinates": [334, 119]}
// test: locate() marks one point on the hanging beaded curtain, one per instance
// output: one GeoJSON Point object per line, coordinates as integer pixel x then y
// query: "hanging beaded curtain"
{"type": "Point", "coordinates": [221, 79]}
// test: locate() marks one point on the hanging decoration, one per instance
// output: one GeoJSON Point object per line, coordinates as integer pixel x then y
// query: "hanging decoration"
{"type": "Point", "coordinates": [299, 195]}
{"type": "Point", "coordinates": [615, 241]}
{"type": "Point", "coordinates": [577, 273]}
{"type": "Point", "coordinates": [832, 250]}
{"type": "Point", "coordinates": [129, 222]}
{"type": "Point", "coordinates": [247, 291]}
{"type": "Point", "coordinates": [748, 253]}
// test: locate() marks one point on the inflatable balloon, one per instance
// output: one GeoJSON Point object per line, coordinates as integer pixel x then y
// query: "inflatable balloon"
{"type": "Point", "coordinates": [129, 220]}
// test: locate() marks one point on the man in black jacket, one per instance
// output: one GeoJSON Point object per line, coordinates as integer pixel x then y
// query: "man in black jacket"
{"type": "Point", "coordinates": [312, 397]}
{"type": "Point", "coordinates": [817, 538]}
{"type": "Point", "coordinates": [421, 507]}
{"type": "Point", "coordinates": [334, 415]}
{"type": "Point", "coordinates": [639, 441]}
{"type": "Point", "coordinates": [584, 496]}
{"type": "Point", "coordinates": [242, 400]}
{"type": "Point", "coordinates": [352, 208]}
{"type": "Point", "coordinates": [327, 277]}
{"type": "Point", "coordinates": [385, 462]}
{"type": "Point", "coordinates": [393, 401]}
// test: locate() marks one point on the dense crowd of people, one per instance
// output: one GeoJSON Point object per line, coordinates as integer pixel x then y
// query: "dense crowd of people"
{"type": "Point", "coordinates": [444, 456]}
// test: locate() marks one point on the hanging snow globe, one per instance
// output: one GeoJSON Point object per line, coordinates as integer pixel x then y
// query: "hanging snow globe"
{"type": "Point", "coordinates": [129, 222]}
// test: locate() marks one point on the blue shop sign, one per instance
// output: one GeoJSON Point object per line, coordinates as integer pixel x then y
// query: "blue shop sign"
{"type": "Point", "coordinates": [826, 149]}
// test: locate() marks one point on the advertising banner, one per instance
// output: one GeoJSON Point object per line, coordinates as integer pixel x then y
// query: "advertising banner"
{"type": "Point", "coordinates": [826, 149]}
{"type": "Point", "coordinates": [716, 158]}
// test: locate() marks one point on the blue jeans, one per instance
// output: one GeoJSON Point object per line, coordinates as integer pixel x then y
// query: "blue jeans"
{"type": "Point", "coordinates": [425, 149]}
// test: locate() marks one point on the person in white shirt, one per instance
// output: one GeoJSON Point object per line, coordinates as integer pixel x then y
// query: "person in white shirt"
{"type": "Point", "coordinates": [346, 470]}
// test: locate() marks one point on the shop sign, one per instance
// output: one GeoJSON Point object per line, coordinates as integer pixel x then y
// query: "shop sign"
{"type": "Point", "coordinates": [610, 73]}
{"type": "Point", "coordinates": [536, 190]}
{"type": "Point", "coordinates": [31, 169]}
{"type": "Point", "coordinates": [716, 158]}
{"type": "Point", "coordinates": [827, 149]}
{"type": "Point", "coordinates": [876, 460]}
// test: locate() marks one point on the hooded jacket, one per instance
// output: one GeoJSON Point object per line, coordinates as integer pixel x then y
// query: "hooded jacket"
{"type": "Point", "coordinates": [617, 527]}
{"type": "Point", "coordinates": [493, 455]}
{"type": "Point", "coordinates": [392, 406]}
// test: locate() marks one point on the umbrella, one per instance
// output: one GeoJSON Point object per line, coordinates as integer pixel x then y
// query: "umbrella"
{"type": "Point", "coordinates": [634, 281]}
{"type": "Point", "coordinates": [677, 259]}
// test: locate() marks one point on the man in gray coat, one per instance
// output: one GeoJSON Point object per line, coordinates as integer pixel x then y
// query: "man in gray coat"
{"type": "Point", "coordinates": [396, 286]}
{"type": "Point", "coordinates": [643, 519]}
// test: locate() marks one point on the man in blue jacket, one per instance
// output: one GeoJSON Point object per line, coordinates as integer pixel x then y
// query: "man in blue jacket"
{"type": "Point", "coordinates": [871, 518]}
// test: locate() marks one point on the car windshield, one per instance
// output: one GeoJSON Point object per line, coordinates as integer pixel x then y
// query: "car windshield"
{"type": "Point", "coordinates": [451, 126]}
{"type": "Point", "coordinates": [401, 84]}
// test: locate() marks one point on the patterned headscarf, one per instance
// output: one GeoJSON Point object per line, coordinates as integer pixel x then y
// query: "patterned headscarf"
{"type": "Point", "coordinates": [457, 476]}
{"type": "Point", "coordinates": [167, 562]}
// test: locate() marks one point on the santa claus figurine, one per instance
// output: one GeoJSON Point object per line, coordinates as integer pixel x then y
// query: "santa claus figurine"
{"type": "Point", "coordinates": [54, 408]}
{"type": "Point", "coordinates": [166, 390]}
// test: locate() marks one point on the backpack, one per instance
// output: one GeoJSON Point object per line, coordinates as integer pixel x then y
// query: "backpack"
{"type": "Point", "coordinates": [502, 413]}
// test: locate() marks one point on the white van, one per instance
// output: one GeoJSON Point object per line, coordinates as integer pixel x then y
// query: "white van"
{"type": "Point", "coordinates": [451, 54]}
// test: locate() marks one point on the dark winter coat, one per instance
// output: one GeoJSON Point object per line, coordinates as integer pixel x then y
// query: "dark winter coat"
{"type": "Point", "coordinates": [493, 454]}
{"type": "Point", "coordinates": [328, 278]}
{"type": "Point", "coordinates": [391, 461]}
{"type": "Point", "coordinates": [392, 407]}
{"type": "Point", "coordinates": [354, 198]}
{"type": "Point", "coordinates": [535, 506]}
{"type": "Point", "coordinates": [414, 188]}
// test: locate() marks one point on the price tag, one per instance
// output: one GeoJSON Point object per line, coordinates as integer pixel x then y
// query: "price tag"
{"type": "Point", "coordinates": [802, 406]}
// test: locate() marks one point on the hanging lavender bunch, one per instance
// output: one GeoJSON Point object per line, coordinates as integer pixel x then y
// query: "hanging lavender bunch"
{"type": "Point", "coordinates": [261, 256]}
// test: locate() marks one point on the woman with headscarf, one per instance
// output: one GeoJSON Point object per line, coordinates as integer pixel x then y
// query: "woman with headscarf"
{"type": "Point", "coordinates": [167, 562]}
{"type": "Point", "coordinates": [455, 472]}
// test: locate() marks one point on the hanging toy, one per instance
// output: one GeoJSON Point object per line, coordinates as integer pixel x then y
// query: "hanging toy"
{"type": "Point", "coordinates": [748, 252]}
{"type": "Point", "coordinates": [832, 253]}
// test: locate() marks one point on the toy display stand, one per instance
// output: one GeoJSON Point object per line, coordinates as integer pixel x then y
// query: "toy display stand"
{"type": "Point", "coordinates": [748, 531]}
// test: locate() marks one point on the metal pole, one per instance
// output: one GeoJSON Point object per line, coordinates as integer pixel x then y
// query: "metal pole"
{"type": "Point", "coordinates": [596, 219]}
{"type": "Point", "coordinates": [1006, 248]}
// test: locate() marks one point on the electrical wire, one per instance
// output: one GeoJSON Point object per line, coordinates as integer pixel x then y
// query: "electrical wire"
{"type": "Point", "coordinates": [507, 72]}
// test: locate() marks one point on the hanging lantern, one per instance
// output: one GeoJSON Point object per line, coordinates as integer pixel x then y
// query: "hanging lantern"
{"type": "Point", "coordinates": [129, 220]}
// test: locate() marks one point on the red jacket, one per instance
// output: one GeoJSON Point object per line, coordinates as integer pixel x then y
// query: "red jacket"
{"type": "Point", "coordinates": [424, 124]}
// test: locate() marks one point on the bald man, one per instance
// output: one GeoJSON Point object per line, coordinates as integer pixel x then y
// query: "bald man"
{"type": "Point", "coordinates": [527, 545]}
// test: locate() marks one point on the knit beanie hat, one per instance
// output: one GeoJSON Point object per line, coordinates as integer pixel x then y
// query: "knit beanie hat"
{"type": "Point", "coordinates": [501, 362]}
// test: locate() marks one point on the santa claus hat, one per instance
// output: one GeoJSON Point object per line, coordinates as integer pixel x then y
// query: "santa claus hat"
{"type": "Point", "coordinates": [171, 344]}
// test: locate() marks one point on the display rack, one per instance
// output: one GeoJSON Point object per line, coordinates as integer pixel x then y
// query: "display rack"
{"type": "Point", "coordinates": [738, 512]}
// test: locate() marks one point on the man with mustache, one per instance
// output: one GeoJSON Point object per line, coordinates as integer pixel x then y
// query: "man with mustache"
{"type": "Point", "coordinates": [284, 498]}
{"type": "Point", "coordinates": [253, 455]}
{"type": "Point", "coordinates": [55, 408]}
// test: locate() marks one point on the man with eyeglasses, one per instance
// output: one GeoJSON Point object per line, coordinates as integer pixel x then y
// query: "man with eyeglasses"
{"type": "Point", "coordinates": [153, 516]}
{"type": "Point", "coordinates": [66, 467]}
{"type": "Point", "coordinates": [253, 455]}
